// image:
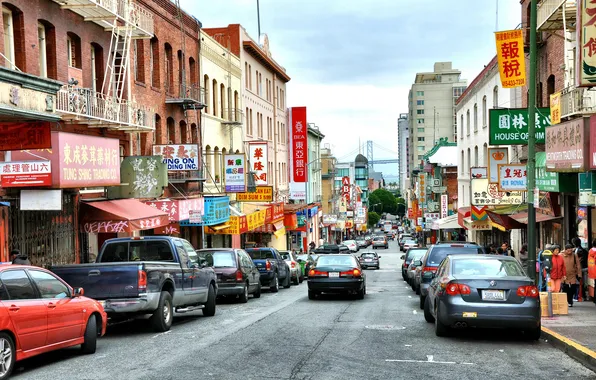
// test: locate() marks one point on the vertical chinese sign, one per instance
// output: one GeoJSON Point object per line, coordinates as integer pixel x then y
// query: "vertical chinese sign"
{"type": "Point", "coordinates": [235, 178]}
{"type": "Point", "coordinates": [259, 162]}
{"type": "Point", "coordinates": [555, 108]}
{"type": "Point", "coordinates": [422, 190]}
{"type": "Point", "coordinates": [510, 55]}
{"type": "Point", "coordinates": [586, 39]}
{"type": "Point", "coordinates": [345, 188]}
{"type": "Point", "coordinates": [298, 153]}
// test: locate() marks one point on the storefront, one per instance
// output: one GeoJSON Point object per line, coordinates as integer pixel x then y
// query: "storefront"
{"type": "Point", "coordinates": [179, 210]}
{"type": "Point", "coordinates": [216, 217]}
{"type": "Point", "coordinates": [273, 232]}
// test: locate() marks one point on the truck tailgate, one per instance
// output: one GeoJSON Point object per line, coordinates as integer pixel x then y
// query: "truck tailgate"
{"type": "Point", "coordinates": [103, 280]}
{"type": "Point", "coordinates": [261, 265]}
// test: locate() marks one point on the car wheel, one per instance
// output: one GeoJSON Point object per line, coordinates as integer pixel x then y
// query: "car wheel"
{"type": "Point", "coordinates": [533, 334]}
{"type": "Point", "coordinates": [312, 295]}
{"type": "Point", "coordinates": [257, 294]}
{"type": "Point", "coordinates": [90, 343]}
{"type": "Point", "coordinates": [243, 298]}
{"type": "Point", "coordinates": [422, 299]}
{"type": "Point", "coordinates": [162, 317]}
{"type": "Point", "coordinates": [440, 328]}
{"type": "Point", "coordinates": [275, 284]}
{"type": "Point", "coordinates": [301, 279]}
{"type": "Point", "coordinates": [361, 293]}
{"type": "Point", "coordinates": [288, 281]}
{"type": "Point", "coordinates": [209, 308]}
{"type": "Point", "coordinates": [427, 315]}
{"type": "Point", "coordinates": [412, 285]}
{"type": "Point", "coordinates": [418, 290]}
{"type": "Point", "coordinates": [7, 355]}
{"type": "Point", "coordinates": [296, 281]}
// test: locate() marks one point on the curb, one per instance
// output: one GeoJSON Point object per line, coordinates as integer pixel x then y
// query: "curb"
{"type": "Point", "coordinates": [582, 354]}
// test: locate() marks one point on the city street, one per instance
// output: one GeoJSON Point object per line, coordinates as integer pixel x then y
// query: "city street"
{"type": "Point", "coordinates": [286, 336]}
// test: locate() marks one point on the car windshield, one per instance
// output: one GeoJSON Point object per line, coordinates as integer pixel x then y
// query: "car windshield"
{"type": "Point", "coordinates": [379, 238]}
{"type": "Point", "coordinates": [348, 242]}
{"type": "Point", "coordinates": [336, 260]}
{"type": "Point", "coordinates": [487, 267]}
{"type": "Point", "coordinates": [368, 255]}
{"type": "Point", "coordinates": [314, 257]}
{"type": "Point", "coordinates": [257, 254]}
{"type": "Point", "coordinates": [439, 253]}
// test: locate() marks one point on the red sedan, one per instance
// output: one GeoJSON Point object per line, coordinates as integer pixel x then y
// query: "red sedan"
{"type": "Point", "coordinates": [39, 312]}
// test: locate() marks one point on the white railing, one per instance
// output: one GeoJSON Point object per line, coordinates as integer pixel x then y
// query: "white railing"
{"type": "Point", "coordinates": [85, 103]}
{"type": "Point", "coordinates": [140, 17]}
{"type": "Point", "coordinates": [548, 8]}
{"type": "Point", "coordinates": [577, 101]}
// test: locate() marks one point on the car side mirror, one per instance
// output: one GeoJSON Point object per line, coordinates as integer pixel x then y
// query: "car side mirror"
{"type": "Point", "coordinates": [403, 257]}
{"type": "Point", "coordinates": [194, 266]}
{"type": "Point", "coordinates": [203, 263]}
{"type": "Point", "coordinates": [417, 263]}
{"type": "Point", "coordinates": [379, 257]}
{"type": "Point", "coordinates": [78, 292]}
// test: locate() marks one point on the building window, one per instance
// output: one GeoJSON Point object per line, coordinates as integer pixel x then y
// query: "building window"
{"type": "Point", "coordinates": [206, 89]}
{"type": "Point", "coordinates": [14, 37]}
{"type": "Point", "coordinates": [419, 93]}
{"type": "Point", "coordinates": [419, 102]}
{"type": "Point", "coordinates": [469, 159]}
{"type": "Point", "coordinates": [139, 60]}
{"type": "Point", "coordinates": [270, 129]}
{"type": "Point", "coordinates": [496, 97]}
{"type": "Point", "coordinates": [192, 67]}
{"type": "Point", "coordinates": [73, 50]}
{"type": "Point", "coordinates": [169, 62]}
{"type": "Point", "coordinates": [43, 57]}
{"type": "Point", "coordinates": [257, 78]}
{"type": "Point", "coordinates": [420, 121]}
{"type": "Point", "coordinates": [420, 138]}
{"type": "Point", "coordinates": [250, 77]}
{"type": "Point", "coordinates": [421, 148]}
{"type": "Point", "coordinates": [468, 122]}
{"type": "Point", "coordinates": [214, 103]}
{"type": "Point", "coordinates": [475, 117]}
{"type": "Point", "coordinates": [420, 130]}
{"type": "Point", "coordinates": [194, 132]}
{"type": "Point", "coordinates": [183, 135]}
{"type": "Point", "coordinates": [222, 95]}
{"type": "Point", "coordinates": [420, 112]}
{"type": "Point", "coordinates": [476, 155]}
{"type": "Point", "coordinates": [462, 162]}
{"type": "Point", "coordinates": [461, 128]}
{"type": "Point", "coordinates": [171, 131]}
{"type": "Point", "coordinates": [154, 61]}
{"type": "Point", "coordinates": [484, 112]}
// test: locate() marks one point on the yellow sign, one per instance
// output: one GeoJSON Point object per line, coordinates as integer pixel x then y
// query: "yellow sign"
{"type": "Point", "coordinates": [263, 194]}
{"type": "Point", "coordinates": [256, 219]}
{"type": "Point", "coordinates": [555, 108]}
{"type": "Point", "coordinates": [510, 54]}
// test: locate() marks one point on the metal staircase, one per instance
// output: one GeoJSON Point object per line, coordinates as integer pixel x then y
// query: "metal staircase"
{"type": "Point", "coordinates": [117, 67]}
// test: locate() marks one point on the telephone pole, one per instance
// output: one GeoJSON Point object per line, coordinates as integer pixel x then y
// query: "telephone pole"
{"type": "Point", "coordinates": [531, 143]}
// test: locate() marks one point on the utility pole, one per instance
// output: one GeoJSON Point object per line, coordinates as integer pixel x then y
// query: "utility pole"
{"type": "Point", "coordinates": [258, 23]}
{"type": "Point", "coordinates": [532, 143]}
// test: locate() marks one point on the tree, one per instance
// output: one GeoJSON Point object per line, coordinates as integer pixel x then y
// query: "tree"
{"type": "Point", "coordinates": [387, 200]}
{"type": "Point", "coordinates": [374, 203]}
{"type": "Point", "coordinates": [373, 218]}
{"type": "Point", "coordinates": [401, 207]}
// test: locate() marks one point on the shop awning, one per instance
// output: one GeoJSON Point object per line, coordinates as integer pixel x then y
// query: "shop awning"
{"type": "Point", "coordinates": [279, 225]}
{"type": "Point", "coordinates": [122, 215]}
{"type": "Point", "coordinates": [279, 233]}
{"type": "Point", "coordinates": [522, 217]}
{"type": "Point", "coordinates": [462, 213]}
{"type": "Point", "coordinates": [449, 222]}
{"type": "Point", "coordinates": [504, 222]}
{"type": "Point", "coordinates": [219, 227]}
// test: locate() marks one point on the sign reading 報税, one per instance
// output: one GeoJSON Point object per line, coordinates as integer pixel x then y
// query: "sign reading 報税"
{"type": "Point", "coordinates": [509, 126]}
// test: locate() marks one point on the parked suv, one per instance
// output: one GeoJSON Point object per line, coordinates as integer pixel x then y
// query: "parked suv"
{"type": "Point", "coordinates": [433, 257]}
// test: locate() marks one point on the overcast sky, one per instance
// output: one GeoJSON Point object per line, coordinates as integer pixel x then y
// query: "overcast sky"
{"type": "Point", "coordinates": [352, 62]}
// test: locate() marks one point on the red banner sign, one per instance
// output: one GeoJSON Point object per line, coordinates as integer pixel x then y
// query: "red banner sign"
{"type": "Point", "coordinates": [299, 144]}
{"type": "Point", "coordinates": [25, 135]}
{"type": "Point", "coordinates": [345, 188]}
{"type": "Point", "coordinates": [26, 174]}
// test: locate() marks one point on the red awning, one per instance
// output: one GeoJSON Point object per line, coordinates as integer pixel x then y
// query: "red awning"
{"type": "Point", "coordinates": [504, 222]}
{"type": "Point", "coordinates": [122, 215]}
{"type": "Point", "coordinates": [522, 217]}
{"type": "Point", "coordinates": [462, 213]}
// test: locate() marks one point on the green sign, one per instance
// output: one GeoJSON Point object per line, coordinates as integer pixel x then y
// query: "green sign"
{"type": "Point", "coordinates": [142, 177]}
{"type": "Point", "coordinates": [509, 126]}
{"type": "Point", "coordinates": [587, 188]}
{"type": "Point", "coordinates": [552, 181]}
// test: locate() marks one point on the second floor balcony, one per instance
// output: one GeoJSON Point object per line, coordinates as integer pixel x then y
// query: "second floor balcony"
{"type": "Point", "coordinates": [188, 96]}
{"type": "Point", "coordinates": [551, 14]}
{"type": "Point", "coordinates": [96, 109]}
{"type": "Point", "coordinates": [577, 101]}
{"type": "Point", "coordinates": [233, 116]}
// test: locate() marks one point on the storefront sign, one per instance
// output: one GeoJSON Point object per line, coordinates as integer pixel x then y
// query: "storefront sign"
{"type": "Point", "coordinates": [587, 183]}
{"type": "Point", "coordinates": [26, 173]}
{"type": "Point", "coordinates": [511, 58]}
{"type": "Point", "coordinates": [263, 194]}
{"type": "Point", "coordinates": [255, 219]}
{"type": "Point", "coordinates": [478, 213]}
{"type": "Point", "coordinates": [217, 210]}
{"type": "Point", "coordinates": [479, 172]}
{"type": "Point", "coordinates": [179, 157]}
{"type": "Point", "coordinates": [496, 157]}
{"type": "Point", "coordinates": [509, 126]}
{"type": "Point", "coordinates": [488, 194]}
{"type": "Point", "coordinates": [299, 144]}
{"type": "Point", "coordinates": [329, 219]}
{"type": "Point", "coordinates": [144, 176]}
{"type": "Point", "coordinates": [349, 223]}
{"type": "Point", "coordinates": [444, 206]}
{"type": "Point", "coordinates": [592, 157]}
{"type": "Point", "coordinates": [555, 108]}
{"type": "Point", "coordinates": [422, 187]}
{"type": "Point", "coordinates": [41, 200]}
{"type": "Point", "coordinates": [25, 135]}
{"type": "Point", "coordinates": [477, 225]}
{"type": "Point", "coordinates": [586, 37]}
{"type": "Point", "coordinates": [259, 162]}
{"type": "Point", "coordinates": [20, 98]}
{"type": "Point", "coordinates": [235, 174]}
{"type": "Point", "coordinates": [513, 177]}
{"type": "Point", "coordinates": [431, 216]}
{"type": "Point", "coordinates": [298, 191]}
{"type": "Point", "coordinates": [567, 146]}
{"type": "Point", "coordinates": [178, 209]}
{"type": "Point", "coordinates": [195, 217]}
{"type": "Point", "coordinates": [168, 229]}
{"type": "Point", "coordinates": [275, 212]}
{"type": "Point", "coordinates": [345, 188]}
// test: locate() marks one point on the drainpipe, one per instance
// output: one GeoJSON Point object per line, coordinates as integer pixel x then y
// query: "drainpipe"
{"type": "Point", "coordinates": [275, 182]}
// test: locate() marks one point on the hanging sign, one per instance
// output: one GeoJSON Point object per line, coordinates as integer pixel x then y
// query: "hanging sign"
{"type": "Point", "coordinates": [513, 177]}
{"type": "Point", "coordinates": [234, 170]}
{"type": "Point", "coordinates": [178, 157]}
{"type": "Point", "coordinates": [259, 162]}
{"type": "Point", "coordinates": [26, 174]}
{"type": "Point", "coordinates": [299, 144]}
{"type": "Point", "coordinates": [496, 157]}
{"type": "Point", "coordinates": [586, 49]}
{"type": "Point", "coordinates": [509, 126]}
{"type": "Point", "coordinates": [345, 188]}
{"type": "Point", "coordinates": [555, 108]}
{"type": "Point", "coordinates": [510, 55]}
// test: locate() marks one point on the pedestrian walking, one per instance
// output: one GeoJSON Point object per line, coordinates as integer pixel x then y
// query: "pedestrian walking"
{"type": "Point", "coordinates": [19, 258]}
{"type": "Point", "coordinates": [582, 254]}
{"type": "Point", "coordinates": [572, 272]}
{"type": "Point", "coordinates": [507, 251]}
{"type": "Point", "coordinates": [592, 269]}
{"type": "Point", "coordinates": [523, 257]}
{"type": "Point", "coordinates": [558, 271]}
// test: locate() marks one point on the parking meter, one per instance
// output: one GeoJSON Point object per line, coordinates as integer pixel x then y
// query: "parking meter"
{"type": "Point", "coordinates": [547, 261]}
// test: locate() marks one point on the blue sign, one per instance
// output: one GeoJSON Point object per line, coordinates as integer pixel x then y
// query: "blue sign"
{"type": "Point", "coordinates": [217, 211]}
{"type": "Point", "coordinates": [313, 211]}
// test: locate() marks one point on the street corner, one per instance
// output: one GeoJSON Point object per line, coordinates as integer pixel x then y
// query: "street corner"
{"type": "Point", "coordinates": [575, 350]}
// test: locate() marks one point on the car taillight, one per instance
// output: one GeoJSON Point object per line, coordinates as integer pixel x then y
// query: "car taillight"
{"type": "Point", "coordinates": [405, 265]}
{"type": "Point", "coordinates": [453, 289]}
{"type": "Point", "coordinates": [317, 273]}
{"type": "Point", "coordinates": [239, 276]}
{"type": "Point", "coordinates": [268, 265]}
{"type": "Point", "coordinates": [353, 272]}
{"type": "Point", "coordinates": [528, 291]}
{"type": "Point", "coordinates": [429, 269]}
{"type": "Point", "coordinates": [293, 264]}
{"type": "Point", "coordinates": [142, 281]}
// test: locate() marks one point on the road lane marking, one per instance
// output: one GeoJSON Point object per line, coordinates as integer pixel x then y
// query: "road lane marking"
{"type": "Point", "coordinates": [414, 312]}
{"type": "Point", "coordinates": [163, 333]}
{"type": "Point", "coordinates": [430, 357]}
{"type": "Point", "coordinates": [424, 361]}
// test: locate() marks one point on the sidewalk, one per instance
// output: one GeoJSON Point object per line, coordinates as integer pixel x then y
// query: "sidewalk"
{"type": "Point", "coordinates": [575, 333]}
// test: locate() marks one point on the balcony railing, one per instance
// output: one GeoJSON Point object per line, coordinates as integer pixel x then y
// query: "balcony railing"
{"type": "Point", "coordinates": [233, 116]}
{"type": "Point", "coordinates": [190, 95]}
{"type": "Point", "coordinates": [102, 12]}
{"type": "Point", "coordinates": [577, 101]}
{"type": "Point", "coordinates": [88, 106]}
{"type": "Point", "coordinates": [550, 14]}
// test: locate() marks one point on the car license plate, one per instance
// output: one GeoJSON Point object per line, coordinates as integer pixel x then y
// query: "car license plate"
{"type": "Point", "coordinates": [333, 274]}
{"type": "Point", "coordinates": [469, 315]}
{"type": "Point", "coordinates": [493, 295]}
{"type": "Point", "coordinates": [367, 259]}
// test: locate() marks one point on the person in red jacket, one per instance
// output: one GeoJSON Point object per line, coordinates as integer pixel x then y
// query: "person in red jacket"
{"type": "Point", "coordinates": [558, 272]}
{"type": "Point", "coordinates": [592, 270]}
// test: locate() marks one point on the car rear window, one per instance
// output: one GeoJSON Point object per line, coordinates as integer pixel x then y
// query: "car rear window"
{"type": "Point", "coordinates": [256, 254]}
{"type": "Point", "coordinates": [369, 255]}
{"type": "Point", "coordinates": [439, 253]}
{"type": "Point", "coordinates": [224, 259]}
{"type": "Point", "coordinates": [302, 257]}
{"type": "Point", "coordinates": [415, 254]}
{"type": "Point", "coordinates": [379, 238]}
{"type": "Point", "coordinates": [487, 267]}
{"type": "Point", "coordinates": [336, 260]}
{"type": "Point", "coordinates": [410, 242]}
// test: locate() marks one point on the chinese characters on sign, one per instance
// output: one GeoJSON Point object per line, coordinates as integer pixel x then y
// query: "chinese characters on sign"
{"type": "Point", "coordinates": [179, 157]}
{"type": "Point", "coordinates": [488, 194]}
{"type": "Point", "coordinates": [444, 206]}
{"type": "Point", "coordinates": [234, 170]}
{"type": "Point", "coordinates": [555, 108]}
{"type": "Point", "coordinates": [567, 146]}
{"type": "Point", "coordinates": [299, 144]}
{"type": "Point", "coordinates": [25, 135]}
{"type": "Point", "coordinates": [143, 177]}
{"type": "Point", "coordinates": [178, 209]}
{"type": "Point", "coordinates": [345, 188]}
{"type": "Point", "coordinates": [263, 194]}
{"type": "Point", "coordinates": [510, 55]}
{"type": "Point", "coordinates": [259, 162]}
{"type": "Point", "coordinates": [513, 177]}
{"type": "Point", "coordinates": [422, 177]}
{"type": "Point", "coordinates": [509, 126]}
{"type": "Point", "coordinates": [586, 37]}
{"type": "Point", "coordinates": [26, 174]}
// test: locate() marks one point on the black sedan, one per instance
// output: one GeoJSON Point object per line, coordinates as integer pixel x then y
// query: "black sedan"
{"type": "Point", "coordinates": [340, 273]}
{"type": "Point", "coordinates": [487, 291]}
{"type": "Point", "coordinates": [369, 259]}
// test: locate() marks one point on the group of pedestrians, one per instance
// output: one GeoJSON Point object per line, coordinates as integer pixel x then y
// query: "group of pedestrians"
{"type": "Point", "coordinates": [567, 269]}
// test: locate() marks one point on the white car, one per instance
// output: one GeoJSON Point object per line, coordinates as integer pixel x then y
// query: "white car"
{"type": "Point", "coordinates": [295, 268]}
{"type": "Point", "coordinates": [410, 244]}
{"type": "Point", "coordinates": [351, 244]}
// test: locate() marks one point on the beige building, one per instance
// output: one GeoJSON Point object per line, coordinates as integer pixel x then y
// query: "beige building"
{"type": "Point", "coordinates": [432, 109]}
{"type": "Point", "coordinates": [328, 162]}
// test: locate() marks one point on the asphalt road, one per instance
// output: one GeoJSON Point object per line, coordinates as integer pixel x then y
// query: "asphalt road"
{"type": "Point", "coordinates": [286, 336]}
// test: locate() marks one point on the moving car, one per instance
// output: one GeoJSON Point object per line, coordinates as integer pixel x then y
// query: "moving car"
{"type": "Point", "coordinates": [331, 248]}
{"type": "Point", "coordinates": [408, 244]}
{"type": "Point", "coordinates": [488, 291]}
{"type": "Point", "coordinates": [433, 257]}
{"type": "Point", "coordinates": [306, 261]}
{"type": "Point", "coordinates": [408, 257]}
{"type": "Point", "coordinates": [351, 244]}
{"type": "Point", "coordinates": [362, 243]}
{"type": "Point", "coordinates": [402, 239]}
{"type": "Point", "coordinates": [42, 313]}
{"type": "Point", "coordinates": [272, 267]}
{"type": "Point", "coordinates": [339, 273]}
{"type": "Point", "coordinates": [380, 241]}
{"type": "Point", "coordinates": [369, 259]}
{"type": "Point", "coordinates": [236, 274]}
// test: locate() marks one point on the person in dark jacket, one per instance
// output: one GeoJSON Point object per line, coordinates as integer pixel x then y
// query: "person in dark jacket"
{"type": "Point", "coordinates": [18, 258]}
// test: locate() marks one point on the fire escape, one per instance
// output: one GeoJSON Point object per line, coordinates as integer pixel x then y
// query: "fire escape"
{"type": "Point", "coordinates": [112, 107]}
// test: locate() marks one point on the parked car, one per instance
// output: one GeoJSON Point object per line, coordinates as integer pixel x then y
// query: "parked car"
{"type": "Point", "coordinates": [408, 257]}
{"type": "Point", "coordinates": [154, 275]}
{"type": "Point", "coordinates": [236, 274]}
{"type": "Point", "coordinates": [408, 244]}
{"type": "Point", "coordinates": [369, 259]}
{"type": "Point", "coordinates": [272, 267]}
{"type": "Point", "coordinates": [339, 273]}
{"type": "Point", "coordinates": [306, 261]}
{"type": "Point", "coordinates": [362, 243]}
{"type": "Point", "coordinates": [488, 291]}
{"type": "Point", "coordinates": [331, 248]}
{"type": "Point", "coordinates": [295, 269]}
{"type": "Point", "coordinates": [402, 239]}
{"type": "Point", "coordinates": [42, 313]}
{"type": "Point", "coordinates": [352, 245]}
{"type": "Point", "coordinates": [414, 255]}
{"type": "Point", "coordinates": [380, 241]}
{"type": "Point", "coordinates": [434, 256]}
